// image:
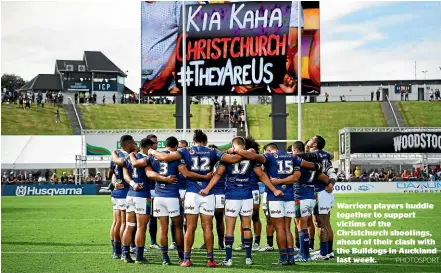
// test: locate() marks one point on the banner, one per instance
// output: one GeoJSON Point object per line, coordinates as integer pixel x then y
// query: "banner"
{"type": "Point", "coordinates": [396, 142]}
{"type": "Point", "coordinates": [51, 190]}
{"type": "Point", "coordinates": [105, 86]}
{"type": "Point", "coordinates": [104, 144]}
{"type": "Point", "coordinates": [379, 187]}
{"type": "Point", "coordinates": [234, 48]}
{"type": "Point", "coordinates": [77, 86]}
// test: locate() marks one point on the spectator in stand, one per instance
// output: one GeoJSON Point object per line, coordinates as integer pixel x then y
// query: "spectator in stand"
{"type": "Point", "coordinates": [340, 176]}
{"type": "Point", "coordinates": [54, 179]}
{"type": "Point", "coordinates": [224, 102]}
{"type": "Point", "coordinates": [76, 98]}
{"type": "Point", "coordinates": [104, 99]}
{"type": "Point", "coordinates": [98, 178]}
{"type": "Point", "coordinates": [364, 177]}
{"type": "Point", "coordinates": [432, 175]}
{"type": "Point", "coordinates": [405, 175]}
{"type": "Point", "coordinates": [437, 94]}
{"type": "Point", "coordinates": [57, 116]}
{"type": "Point", "coordinates": [5, 177]}
{"type": "Point", "coordinates": [372, 95]}
{"type": "Point", "coordinates": [432, 95]}
{"type": "Point", "coordinates": [382, 176]}
{"type": "Point", "coordinates": [416, 173]}
{"type": "Point", "coordinates": [64, 178]}
{"type": "Point", "coordinates": [114, 98]}
{"type": "Point", "coordinates": [406, 95]}
{"type": "Point", "coordinates": [391, 175]}
{"type": "Point", "coordinates": [30, 179]}
{"type": "Point", "coordinates": [42, 179]}
{"type": "Point", "coordinates": [402, 94]}
{"type": "Point", "coordinates": [89, 179]}
{"type": "Point", "coordinates": [357, 172]}
{"type": "Point", "coordinates": [20, 177]}
{"type": "Point", "coordinates": [71, 177]}
{"type": "Point", "coordinates": [11, 178]}
{"type": "Point", "coordinates": [326, 96]}
{"type": "Point", "coordinates": [373, 177]}
{"type": "Point", "coordinates": [378, 94]}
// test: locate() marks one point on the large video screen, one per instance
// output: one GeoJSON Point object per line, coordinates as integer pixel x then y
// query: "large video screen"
{"type": "Point", "coordinates": [232, 48]}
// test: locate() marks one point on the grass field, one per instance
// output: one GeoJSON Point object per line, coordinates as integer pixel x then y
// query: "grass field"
{"type": "Point", "coordinates": [324, 119]}
{"type": "Point", "coordinates": [135, 116]}
{"type": "Point", "coordinates": [421, 113]}
{"type": "Point", "coordinates": [70, 234]}
{"type": "Point", "coordinates": [30, 122]}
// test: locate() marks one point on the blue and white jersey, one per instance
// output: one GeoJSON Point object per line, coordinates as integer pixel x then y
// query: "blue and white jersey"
{"type": "Point", "coordinates": [165, 169]}
{"type": "Point", "coordinates": [304, 188]}
{"type": "Point", "coordinates": [281, 165]}
{"type": "Point", "coordinates": [200, 160]}
{"type": "Point", "coordinates": [238, 183]}
{"type": "Point", "coordinates": [219, 188]}
{"type": "Point", "coordinates": [118, 171]}
{"type": "Point", "coordinates": [139, 176]}
{"type": "Point", "coordinates": [324, 159]}
{"type": "Point", "coordinates": [254, 181]}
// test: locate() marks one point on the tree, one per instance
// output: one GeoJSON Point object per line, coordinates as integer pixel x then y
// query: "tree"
{"type": "Point", "coordinates": [12, 82]}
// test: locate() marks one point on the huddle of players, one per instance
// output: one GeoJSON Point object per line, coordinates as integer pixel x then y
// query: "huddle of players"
{"type": "Point", "coordinates": [210, 183]}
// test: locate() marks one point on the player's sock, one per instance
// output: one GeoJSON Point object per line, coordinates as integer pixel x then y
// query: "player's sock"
{"type": "Point", "coordinates": [139, 253]}
{"type": "Point", "coordinates": [247, 245]}
{"type": "Point", "coordinates": [298, 242]}
{"type": "Point", "coordinates": [113, 246]}
{"type": "Point", "coordinates": [269, 240]}
{"type": "Point", "coordinates": [323, 248]}
{"type": "Point", "coordinates": [257, 240]}
{"type": "Point", "coordinates": [330, 247]}
{"type": "Point", "coordinates": [172, 232]}
{"type": "Point", "coordinates": [126, 250]}
{"type": "Point", "coordinates": [283, 255]}
{"type": "Point", "coordinates": [210, 256]}
{"type": "Point", "coordinates": [304, 244]}
{"type": "Point", "coordinates": [229, 240]}
{"type": "Point", "coordinates": [180, 250]}
{"type": "Point", "coordinates": [118, 247]}
{"type": "Point", "coordinates": [290, 252]}
{"type": "Point", "coordinates": [153, 228]}
{"type": "Point", "coordinates": [187, 256]}
{"type": "Point", "coordinates": [164, 250]}
{"type": "Point", "coordinates": [311, 243]}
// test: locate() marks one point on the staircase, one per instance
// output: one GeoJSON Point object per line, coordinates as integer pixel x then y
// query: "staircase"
{"type": "Point", "coordinates": [392, 114]}
{"type": "Point", "coordinates": [75, 124]}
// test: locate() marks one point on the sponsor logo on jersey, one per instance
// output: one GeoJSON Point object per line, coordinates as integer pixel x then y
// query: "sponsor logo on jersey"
{"type": "Point", "coordinates": [156, 210]}
{"type": "Point", "coordinates": [276, 155]}
{"type": "Point", "coordinates": [192, 151]}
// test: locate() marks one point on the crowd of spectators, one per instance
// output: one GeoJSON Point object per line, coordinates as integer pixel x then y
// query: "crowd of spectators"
{"type": "Point", "coordinates": [382, 175]}
{"type": "Point", "coordinates": [25, 100]}
{"type": "Point", "coordinates": [48, 178]}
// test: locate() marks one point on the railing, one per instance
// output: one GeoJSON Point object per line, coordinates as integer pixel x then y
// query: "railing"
{"type": "Point", "coordinates": [393, 112]}
{"type": "Point", "coordinates": [245, 116]}
{"type": "Point", "coordinates": [76, 113]}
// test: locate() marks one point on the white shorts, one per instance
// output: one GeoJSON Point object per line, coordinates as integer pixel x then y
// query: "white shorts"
{"type": "Point", "coordinates": [153, 193]}
{"type": "Point", "coordinates": [182, 194]}
{"type": "Point", "coordinates": [195, 204]}
{"type": "Point", "coordinates": [279, 209]}
{"type": "Point", "coordinates": [219, 201]}
{"type": "Point", "coordinates": [264, 204]}
{"type": "Point", "coordinates": [166, 206]}
{"type": "Point", "coordinates": [304, 207]}
{"type": "Point", "coordinates": [119, 203]}
{"type": "Point", "coordinates": [256, 197]}
{"type": "Point", "coordinates": [233, 208]}
{"type": "Point", "coordinates": [139, 205]}
{"type": "Point", "coordinates": [325, 201]}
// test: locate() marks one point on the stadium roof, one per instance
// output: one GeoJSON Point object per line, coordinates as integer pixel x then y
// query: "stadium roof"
{"type": "Point", "coordinates": [43, 152]}
{"type": "Point", "coordinates": [43, 82]}
{"type": "Point", "coordinates": [379, 82]}
{"type": "Point", "coordinates": [94, 61]}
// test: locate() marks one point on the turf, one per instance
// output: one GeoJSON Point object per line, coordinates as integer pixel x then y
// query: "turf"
{"type": "Point", "coordinates": [141, 116]}
{"type": "Point", "coordinates": [17, 121]}
{"type": "Point", "coordinates": [323, 119]}
{"type": "Point", "coordinates": [421, 113]}
{"type": "Point", "coordinates": [70, 234]}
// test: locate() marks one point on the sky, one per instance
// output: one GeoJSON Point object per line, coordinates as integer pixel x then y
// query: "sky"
{"type": "Point", "coordinates": [360, 40]}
